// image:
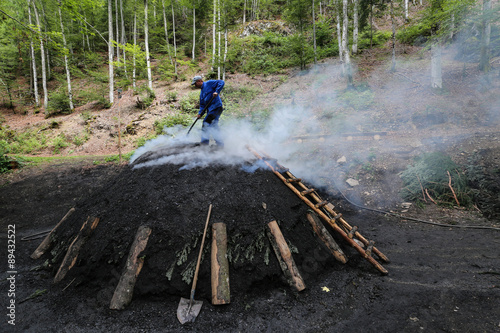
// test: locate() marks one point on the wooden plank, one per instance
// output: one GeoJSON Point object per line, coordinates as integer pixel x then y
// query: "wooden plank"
{"type": "Point", "coordinates": [75, 246]}
{"type": "Point", "coordinates": [46, 244]}
{"type": "Point", "coordinates": [125, 288]}
{"type": "Point", "coordinates": [284, 256]}
{"type": "Point", "coordinates": [326, 238]}
{"type": "Point", "coordinates": [220, 266]}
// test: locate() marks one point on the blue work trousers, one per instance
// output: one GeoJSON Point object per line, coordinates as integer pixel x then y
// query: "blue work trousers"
{"type": "Point", "coordinates": [210, 128]}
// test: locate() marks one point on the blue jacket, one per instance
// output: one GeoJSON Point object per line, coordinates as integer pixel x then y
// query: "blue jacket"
{"type": "Point", "coordinates": [207, 90]}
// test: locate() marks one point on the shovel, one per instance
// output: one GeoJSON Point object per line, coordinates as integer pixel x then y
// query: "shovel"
{"type": "Point", "coordinates": [202, 113]}
{"type": "Point", "coordinates": [188, 309]}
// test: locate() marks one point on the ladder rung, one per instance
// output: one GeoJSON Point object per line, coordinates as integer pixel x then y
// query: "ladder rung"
{"type": "Point", "coordinates": [352, 232]}
{"type": "Point", "coordinates": [321, 204]}
{"type": "Point", "coordinates": [306, 192]}
{"type": "Point", "coordinates": [293, 180]}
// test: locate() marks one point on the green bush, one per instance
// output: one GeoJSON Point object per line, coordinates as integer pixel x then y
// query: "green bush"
{"type": "Point", "coordinates": [188, 103]}
{"type": "Point", "coordinates": [172, 120]}
{"type": "Point", "coordinates": [58, 103]}
{"type": "Point", "coordinates": [415, 34]}
{"type": "Point", "coordinates": [431, 174]}
{"type": "Point", "coordinates": [359, 98]}
{"type": "Point", "coordinates": [380, 37]}
{"type": "Point", "coordinates": [26, 142]}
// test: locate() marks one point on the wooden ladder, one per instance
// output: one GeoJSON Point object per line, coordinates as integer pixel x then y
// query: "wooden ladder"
{"type": "Point", "coordinates": [326, 211]}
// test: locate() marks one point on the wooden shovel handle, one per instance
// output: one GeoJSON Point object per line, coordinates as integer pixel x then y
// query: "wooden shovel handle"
{"type": "Point", "coordinates": [195, 278]}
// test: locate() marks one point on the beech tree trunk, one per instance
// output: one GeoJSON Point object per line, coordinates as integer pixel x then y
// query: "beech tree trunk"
{"type": "Point", "coordinates": [146, 44]}
{"type": "Point", "coordinates": [33, 61]}
{"type": "Point", "coordinates": [484, 64]}
{"type": "Point", "coordinates": [436, 71]}
{"type": "Point", "coordinates": [175, 42]}
{"type": "Point", "coordinates": [44, 68]}
{"type": "Point", "coordinates": [66, 65]}
{"type": "Point", "coordinates": [123, 39]}
{"type": "Point", "coordinates": [345, 43]}
{"type": "Point", "coordinates": [356, 28]}
{"type": "Point", "coordinates": [194, 29]}
{"type": "Point", "coordinates": [110, 52]}
{"type": "Point", "coordinates": [393, 22]}
{"type": "Point", "coordinates": [314, 33]}
{"type": "Point", "coordinates": [165, 26]}
{"type": "Point", "coordinates": [135, 45]}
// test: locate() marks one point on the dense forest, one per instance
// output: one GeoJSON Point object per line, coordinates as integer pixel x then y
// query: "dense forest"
{"type": "Point", "coordinates": [57, 55]}
{"type": "Point", "coordinates": [48, 43]}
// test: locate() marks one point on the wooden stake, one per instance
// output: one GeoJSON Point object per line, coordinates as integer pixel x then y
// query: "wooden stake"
{"type": "Point", "coordinates": [327, 239]}
{"type": "Point", "coordinates": [75, 246]}
{"type": "Point", "coordinates": [284, 256]}
{"type": "Point", "coordinates": [220, 265]}
{"type": "Point", "coordinates": [125, 288]}
{"type": "Point", "coordinates": [47, 242]}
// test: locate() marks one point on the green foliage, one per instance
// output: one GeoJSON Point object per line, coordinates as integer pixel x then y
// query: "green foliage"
{"type": "Point", "coordinates": [26, 142]}
{"type": "Point", "coordinates": [171, 121]}
{"type": "Point", "coordinates": [59, 142]}
{"type": "Point", "coordinates": [188, 103]}
{"type": "Point", "coordinates": [147, 96]}
{"type": "Point", "coordinates": [171, 96]}
{"type": "Point", "coordinates": [415, 34]}
{"type": "Point", "coordinates": [359, 98]}
{"type": "Point", "coordinates": [431, 172]}
{"type": "Point", "coordinates": [379, 38]}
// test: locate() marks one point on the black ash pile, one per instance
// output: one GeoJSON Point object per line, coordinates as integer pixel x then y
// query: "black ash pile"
{"type": "Point", "coordinates": [173, 201]}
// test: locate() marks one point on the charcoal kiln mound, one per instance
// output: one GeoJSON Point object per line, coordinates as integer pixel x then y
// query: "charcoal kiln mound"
{"type": "Point", "coordinates": [172, 201]}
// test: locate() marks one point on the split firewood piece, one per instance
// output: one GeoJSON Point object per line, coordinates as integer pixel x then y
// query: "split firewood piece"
{"type": "Point", "coordinates": [47, 242]}
{"type": "Point", "coordinates": [327, 239]}
{"type": "Point", "coordinates": [220, 265]}
{"type": "Point", "coordinates": [125, 288]}
{"type": "Point", "coordinates": [284, 256]}
{"type": "Point", "coordinates": [75, 246]}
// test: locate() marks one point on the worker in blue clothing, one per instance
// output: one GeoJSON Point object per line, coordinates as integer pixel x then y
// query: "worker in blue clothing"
{"type": "Point", "coordinates": [209, 89]}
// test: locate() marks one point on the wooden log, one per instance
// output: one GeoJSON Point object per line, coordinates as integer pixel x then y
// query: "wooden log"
{"type": "Point", "coordinates": [220, 265]}
{"type": "Point", "coordinates": [47, 242]}
{"type": "Point", "coordinates": [125, 288]}
{"type": "Point", "coordinates": [284, 256]}
{"type": "Point", "coordinates": [327, 239]}
{"type": "Point", "coordinates": [75, 246]}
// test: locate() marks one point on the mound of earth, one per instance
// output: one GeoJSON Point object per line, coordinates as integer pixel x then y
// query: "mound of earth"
{"type": "Point", "coordinates": [173, 201]}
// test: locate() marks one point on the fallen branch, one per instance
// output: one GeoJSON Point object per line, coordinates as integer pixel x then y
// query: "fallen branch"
{"type": "Point", "coordinates": [427, 192]}
{"type": "Point", "coordinates": [451, 188]}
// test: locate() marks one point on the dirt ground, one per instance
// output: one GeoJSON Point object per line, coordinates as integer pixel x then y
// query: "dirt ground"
{"type": "Point", "coordinates": [441, 278]}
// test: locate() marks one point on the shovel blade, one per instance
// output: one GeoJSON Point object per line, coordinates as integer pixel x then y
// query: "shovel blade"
{"type": "Point", "coordinates": [187, 313]}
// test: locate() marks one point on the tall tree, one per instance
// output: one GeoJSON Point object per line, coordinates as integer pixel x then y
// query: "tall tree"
{"type": "Point", "coordinates": [484, 62]}
{"type": "Point", "coordinates": [33, 60]}
{"type": "Point", "coordinates": [66, 65]}
{"type": "Point", "coordinates": [355, 28]}
{"type": "Point", "coordinates": [110, 52]}
{"type": "Point", "coordinates": [345, 43]}
{"type": "Point", "coordinates": [42, 55]}
{"type": "Point", "coordinates": [173, 35]}
{"type": "Point", "coordinates": [146, 44]}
